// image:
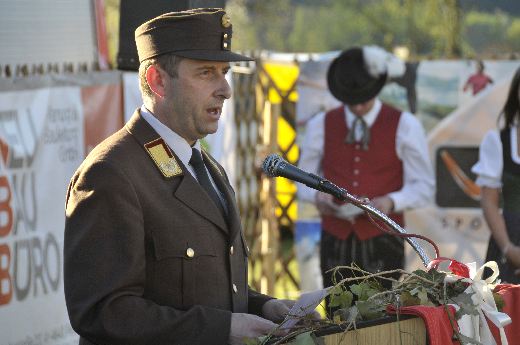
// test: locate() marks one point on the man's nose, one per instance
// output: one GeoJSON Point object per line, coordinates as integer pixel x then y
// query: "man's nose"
{"type": "Point", "coordinates": [224, 90]}
{"type": "Point", "coordinates": [357, 108]}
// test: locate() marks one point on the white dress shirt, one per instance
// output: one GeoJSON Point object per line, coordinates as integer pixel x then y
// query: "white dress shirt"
{"type": "Point", "coordinates": [178, 145]}
{"type": "Point", "coordinates": [175, 142]}
{"type": "Point", "coordinates": [490, 164]}
{"type": "Point", "coordinates": [410, 146]}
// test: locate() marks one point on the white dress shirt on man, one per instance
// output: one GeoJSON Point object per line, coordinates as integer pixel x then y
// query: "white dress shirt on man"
{"type": "Point", "coordinates": [410, 146]}
{"type": "Point", "coordinates": [178, 145]}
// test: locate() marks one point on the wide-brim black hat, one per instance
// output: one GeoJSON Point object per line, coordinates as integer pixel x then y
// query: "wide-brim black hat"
{"type": "Point", "coordinates": [201, 34]}
{"type": "Point", "coordinates": [348, 78]}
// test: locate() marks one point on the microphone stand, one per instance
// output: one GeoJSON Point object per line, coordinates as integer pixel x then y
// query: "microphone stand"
{"type": "Point", "coordinates": [341, 194]}
{"type": "Point", "coordinates": [274, 165]}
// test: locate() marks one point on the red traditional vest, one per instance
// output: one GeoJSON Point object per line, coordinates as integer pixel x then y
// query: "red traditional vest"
{"type": "Point", "coordinates": [374, 172]}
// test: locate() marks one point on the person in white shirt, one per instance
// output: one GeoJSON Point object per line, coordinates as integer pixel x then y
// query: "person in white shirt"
{"type": "Point", "coordinates": [372, 150]}
{"type": "Point", "coordinates": [498, 171]}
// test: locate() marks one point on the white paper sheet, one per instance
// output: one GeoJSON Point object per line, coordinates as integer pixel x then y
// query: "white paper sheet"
{"type": "Point", "coordinates": [304, 305]}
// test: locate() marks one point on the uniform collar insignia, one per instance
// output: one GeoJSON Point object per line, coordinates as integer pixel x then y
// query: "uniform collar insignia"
{"type": "Point", "coordinates": [163, 158]}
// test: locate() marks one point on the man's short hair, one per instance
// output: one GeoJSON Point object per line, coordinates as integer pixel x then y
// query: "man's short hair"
{"type": "Point", "coordinates": [168, 62]}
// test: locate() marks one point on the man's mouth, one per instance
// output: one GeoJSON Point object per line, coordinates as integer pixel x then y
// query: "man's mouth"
{"type": "Point", "coordinates": [215, 111]}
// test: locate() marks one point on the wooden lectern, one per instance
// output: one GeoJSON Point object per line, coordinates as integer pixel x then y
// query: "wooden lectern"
{"type": "Point", "coordinates": [403, 332]}
{"type": "Point", "coordinates": [408, 330]}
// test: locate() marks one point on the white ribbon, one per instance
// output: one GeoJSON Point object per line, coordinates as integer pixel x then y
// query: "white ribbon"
{"type": "Point", "coordinates": [483, 299]}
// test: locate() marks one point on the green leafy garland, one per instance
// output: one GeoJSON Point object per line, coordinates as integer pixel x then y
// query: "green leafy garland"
{"type": "Point", "coordinates": [363, 298]}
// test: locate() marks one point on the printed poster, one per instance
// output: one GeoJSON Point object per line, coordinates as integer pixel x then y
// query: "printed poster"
{"type": "Point", "coordinates": [41, 141]}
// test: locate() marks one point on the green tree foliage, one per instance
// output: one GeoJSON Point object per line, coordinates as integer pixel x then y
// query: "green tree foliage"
{"type": "Point", "coordinates": [513, 35]}
{"type": "Point", "coordinates": [244, 31]}
{"type": "Point", "coordinates": [112, 24]}
{"type": "Point", "coordinates": [429, 28]}
{"type": "Point", "coordinates": [489, 33]}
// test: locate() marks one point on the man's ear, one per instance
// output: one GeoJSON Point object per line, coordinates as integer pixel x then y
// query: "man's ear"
{"type": "Point", "coordinates": [154, 78]}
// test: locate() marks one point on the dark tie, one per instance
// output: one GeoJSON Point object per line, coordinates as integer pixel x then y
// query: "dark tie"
{"type": "Point", "coordinates": [202, 176]}
{"type": "Point", "coordinates": [365, 133]}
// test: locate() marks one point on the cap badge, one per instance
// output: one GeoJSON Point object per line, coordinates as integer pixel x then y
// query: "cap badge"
{"type": "Point", "coordinates": [226, 20]}
{"type": "Point", "coordinates": [163, 158]}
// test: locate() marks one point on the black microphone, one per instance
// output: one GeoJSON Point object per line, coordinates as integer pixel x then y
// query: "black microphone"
{"type": "Point", "coordinates": [274, 165]}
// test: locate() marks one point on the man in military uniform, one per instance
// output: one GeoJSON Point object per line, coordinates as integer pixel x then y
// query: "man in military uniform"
{"type": "Point", "coordinates": [154, 250]}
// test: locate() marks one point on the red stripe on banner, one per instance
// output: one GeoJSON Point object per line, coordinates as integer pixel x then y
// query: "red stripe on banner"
{"type": "Point", "coordinates": [101, 34]}
{"type": "Point", "coordinates": [103, 112]}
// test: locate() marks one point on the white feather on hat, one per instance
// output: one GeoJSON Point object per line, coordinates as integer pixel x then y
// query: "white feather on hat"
{"type": "Point", "coordinates": [378, 61]}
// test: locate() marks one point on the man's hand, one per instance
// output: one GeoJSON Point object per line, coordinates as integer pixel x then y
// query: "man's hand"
{"type": "Point", "coordinates": [277, 309]}
{"type": "Point", "coordinates": [513, 256]}
{"type": "Point", "coordinates": [325, 204]}
{"type": "Point", "coordinates": [248, 326]}
{"type": "Point", "coordinates": [384, 204]}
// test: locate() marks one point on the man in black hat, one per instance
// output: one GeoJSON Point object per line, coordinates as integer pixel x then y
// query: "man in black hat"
{"type": "Point", "coordinates": [372, 150]}
{"type": "Point", "coordinates": [154, 251]}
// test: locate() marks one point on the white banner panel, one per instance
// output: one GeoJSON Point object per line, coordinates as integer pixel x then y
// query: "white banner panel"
{"type": "Point", "coordinates": [131, 95]}
{"type": "Point", "coordinates": [42, 143]}
{"type": "Point", "coordinates": [47, 32]}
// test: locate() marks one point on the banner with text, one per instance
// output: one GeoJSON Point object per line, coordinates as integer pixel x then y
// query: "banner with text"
{"type": "Point", "coordinates": [41, 139]}
{"type": "Point", "coordinates": [44, 135]}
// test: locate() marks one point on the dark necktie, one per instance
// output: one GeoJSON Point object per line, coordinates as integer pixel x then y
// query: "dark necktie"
{"type": "Point", "coordinates": [202, 176]}
{"type": "Point", "coordinates": [365, 133]}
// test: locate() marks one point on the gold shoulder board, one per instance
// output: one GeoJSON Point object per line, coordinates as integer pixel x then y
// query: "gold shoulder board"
{"type": "Point", "coordinates": [163, 158]}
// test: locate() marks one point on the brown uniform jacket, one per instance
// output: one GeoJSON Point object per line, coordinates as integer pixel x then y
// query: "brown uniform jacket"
{"type": "Point", "coordinates": [148, 258]}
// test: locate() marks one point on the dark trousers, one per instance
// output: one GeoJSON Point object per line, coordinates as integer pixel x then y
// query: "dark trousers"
{"type": "Point", "coordinates": [382, 253]}
{"type": "Point", "coordinates": [494, 253]}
